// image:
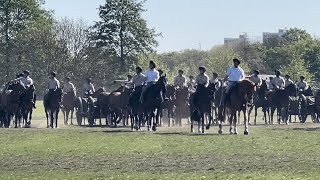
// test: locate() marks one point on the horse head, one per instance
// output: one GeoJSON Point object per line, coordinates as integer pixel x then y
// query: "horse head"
{"type": "Point", "coordinates": [247, 88]}
{"type": "Point", "coordinates": [291, 90]}
{"type": "Point", "coordinates": [162, 84]}
{"type": "Point", "coordinates": [171, 91]}
{"type": "Point", "coordinates": [183, 93]}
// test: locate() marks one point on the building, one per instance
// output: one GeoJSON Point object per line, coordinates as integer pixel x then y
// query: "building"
{"type": "Point", "coordinates": [267, 36]}
{"type": "Point", "coordinates": [242, 38]}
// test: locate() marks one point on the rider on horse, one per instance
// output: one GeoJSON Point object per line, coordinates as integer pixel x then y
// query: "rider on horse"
{"type": "Point", "coordinates": [234, 75]}
{"type": "Point", "coordinates": [202, 79]}
{"type": "Point", "coordinates": [152, 76]}
{"type": "Point", "coordinates": [180, 80]}
{"type": "Point", "coordinates": [26, 81]}
{"type": "Point", "coordinates": [288, 81]}
{"type": "Point", "coordinates": [53, 85]}
{"type": "Point", "coordinates": [88, 88]}
{"type": "Point", "coordinates": [255, 78]}
{"type": "Point", "coordinates": [68, 86]}
{"type": "Point", "coordinates": [278, 82]}
{"type": "Point", "coordinates": [302, 85]}
{"type": "Point", "coordinates": [191, 83]}
{"type": "Point", "coordinates": [139, 78]}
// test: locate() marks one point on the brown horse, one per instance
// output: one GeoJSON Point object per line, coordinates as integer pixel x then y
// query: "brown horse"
{"type": "Point", "coordinates": [260, 100]}
{"type": "Point", "coordinates": [201, 104]}
{"type": "Point", "coordinates": [118, 102]}
{"type": "Point", "coordinates": [238, 100]}
{"type": "Point", "coordinates": [168, 105]}
{"type": "Point", "coordinates": [68, 102]}
{"type": "Point", "coordinates": [279, 100]}
{"type": "Point", "coordinates": [103, 106]}
{"type": "Point", "coordinates": [182, 104]}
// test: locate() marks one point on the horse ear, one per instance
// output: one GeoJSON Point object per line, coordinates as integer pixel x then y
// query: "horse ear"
{"type": "Point", "coordinates": [165, 75]}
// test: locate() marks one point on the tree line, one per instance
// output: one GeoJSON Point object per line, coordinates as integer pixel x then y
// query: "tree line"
{"type": "Point", "coordinates": [32, 38]}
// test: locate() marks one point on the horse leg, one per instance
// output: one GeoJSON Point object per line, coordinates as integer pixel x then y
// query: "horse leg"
{"type": "Point", "coordinates": [210, 121]}
{"type": "Point", "coordinates": [71, 117]}
{"type": "Point", "coordinates": [51, 119]}
{"type": "Point", "coordinates": [246, 128]}
{"type": "Point", "coordinates": [64, 116]}
{"type": "Point", "coordinates": [239, 117]}
{"type": "Point", "coordinates": [231, 121]}
{"type": "Point", "coordinates": [255, 115]}
{"type": "Point", "coordinates": [202, 122]}
{"type": "Point", "coordinates": [57, 115]}
{"type": "Point", "coordinates": [249, 112]}
{"type": "Point", "coordinates": [235, 119]}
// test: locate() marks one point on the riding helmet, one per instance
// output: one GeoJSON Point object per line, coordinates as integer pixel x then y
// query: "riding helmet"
{"type": "Point", "coordinates": [257, 72]}
{"type": "Point", "coordinates": [302, 77]}
{"type": "Point", "coordinates": [237, 60]}
{"type": "Point", "coordinates": [139, 69]}
{"type": "Point", "coordinates": [202, 68]}
{"type": "Point", "coordinates": [26, 72]}
{"type": "Point", "coordinates": [154, 64]}
{"type": "Point", "coordinates": [54, 74]}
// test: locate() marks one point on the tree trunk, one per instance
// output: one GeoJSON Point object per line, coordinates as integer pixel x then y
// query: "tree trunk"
{"type": "Point", "coordinates": [7, 41]}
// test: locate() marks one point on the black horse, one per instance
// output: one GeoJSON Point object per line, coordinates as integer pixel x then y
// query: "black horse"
{"type": "Point", "coordinates": [11, 103]}
{"type": "Point", "coordinates": [136, 108]}
{"type": "Point", "coordinates": [201, 104]}
{"type": "Point", "coordinates": [152, 101]}
{"type": "Point", "coordinates": [27, 105]}
{"type": "Point", "coordinates": [52, 106]}
{"type": "Point", "coordinates": [279, 100]}
{"type": "Point", "coordinates": [260, 100]}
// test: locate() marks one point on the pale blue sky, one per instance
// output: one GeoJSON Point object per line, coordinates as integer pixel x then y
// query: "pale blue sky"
{"type": "Point", "coordinates": [187, 23]}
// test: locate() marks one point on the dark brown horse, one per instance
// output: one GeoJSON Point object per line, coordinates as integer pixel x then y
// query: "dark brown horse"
{"type": "Point", "coordinates": [182, 104]}
{"type": "Point", "coordinates": [152, 101]}
{"type": "Point", "coordinates": [68, 102]}
{"type": "Point", "coordinates": [11, 103]}
{"type": "Point", "coordinates": [137, 109]}
{"type": "Point", "coordinates": [168, 105]}
{"type": "Point", "coordinates": [279, 100]}
{"type": "Point", "coordinates": [118, 102]}
{"type": "Point", "coordinates": [238, 100]}
{"type": "Point", "coordinates": [260, 101]}
{"type": "Point", "coordinates": [201, 104]}
{"type": "Point", "coordinates": [52, 107]}
{"type": "Point", "coordinates": [26, 103]}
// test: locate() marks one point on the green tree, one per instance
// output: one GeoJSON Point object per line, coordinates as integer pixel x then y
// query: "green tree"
{"type": "Point", "coordinates": [123, 31]}
{"type": "Point", "coordinates": [297, 68]}
{"type": "Point", "coordinates": [15, 17]}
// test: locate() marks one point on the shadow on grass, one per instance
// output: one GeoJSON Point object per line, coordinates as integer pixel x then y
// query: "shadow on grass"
{"type": "Point", "coordinates": [307, 129]}
{"type": "Point", "coordinates": [184, 134]}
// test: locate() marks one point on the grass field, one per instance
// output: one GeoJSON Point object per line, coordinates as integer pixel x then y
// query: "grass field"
{"type": "Point", "coordinates": [269, 152]}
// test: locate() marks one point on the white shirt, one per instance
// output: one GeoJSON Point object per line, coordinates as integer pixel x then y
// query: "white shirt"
{"type": "Point", "coordinates": [256, 79]}
{"type": "Point", "coordinates": [53, 83]}
{"type": "Point", "coordinates": [180, 81]}
{"type": "Point", "coordinates": [88, 87]}
{"type": "Point", "coordinates": [152, 75]}
{"type": "Point", "coordinates": [278, 82]}
{"type": "Point", "coordinates": [303, 85]}
{"type": "Point", "coordinates": [26, 81]}
{"type": "Point", "coordinates": [68, 87]}
{"type": "Point", "coordinates": [288, 82]}
{"type": "Point", "coordinates": [235, 74]}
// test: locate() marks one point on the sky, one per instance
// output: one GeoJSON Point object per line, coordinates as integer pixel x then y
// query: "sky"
{"type": "Point", "coordinates": [202, 24]}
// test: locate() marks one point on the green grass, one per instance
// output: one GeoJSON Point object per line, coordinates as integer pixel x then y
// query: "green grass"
{"type": "Point", "coordinates": [269, 152]}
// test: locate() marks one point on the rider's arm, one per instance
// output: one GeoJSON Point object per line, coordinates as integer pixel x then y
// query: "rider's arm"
{"type": "Point", "coordinates": [58, 84]}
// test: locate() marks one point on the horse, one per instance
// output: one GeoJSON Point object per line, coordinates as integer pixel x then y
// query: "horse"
{"type": "Point", "coordinates": [279, 100]}
{"type": "Point", "coordinates": [153, 99]}
{"type": "Point", "coordinates": [217, 101]}
{"type": "Point", "coordinates": [201, 104]}
{"type": "Point", "coordinates": [168, 105]}
{"type": "Point", "coordinates": [260, 100]}
{"type": "Point", "coordinates": [11, 103]}
{"type": "Point", "coordinates": [52, 107]}
{"type": "Point", "coordinates": [182, 103]}
{"type": "Point", "coordinates": [68, 102]}
{"type": "Point", "coordinates": [118, 102]}
{"type": "Point", "coordinates": [103, 106]}
{"type": "Point", "coordinates": [136, 108]}
{"type": "Point", "coordinates": [27, 105]}
{"type": "Point", "coordinates": [238, 100]}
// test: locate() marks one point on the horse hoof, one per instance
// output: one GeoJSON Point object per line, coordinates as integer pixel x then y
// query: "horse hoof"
{"type": "Point", "coordinates": [220, 131]}
{"type": "Point", "coordinates": [192, 131]}
{"type": "Point", "coordinates": [235, 133]}
{"type": "Point", "coordinates": [207, 127]}
{"type": "Point", "coordinates": [255, 123]}
{"type": "Point", "coordinates": [15, 126]}
{"type": "Point", "coordinates": [231, 133]}
{"type": "Point", "coordinates": [246, 133]}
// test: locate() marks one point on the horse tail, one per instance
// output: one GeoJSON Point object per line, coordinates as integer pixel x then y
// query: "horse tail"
{"type": "Point", "coordinates": [196, 115]}
{"type": "Point", "coordinates": [222, 113]}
